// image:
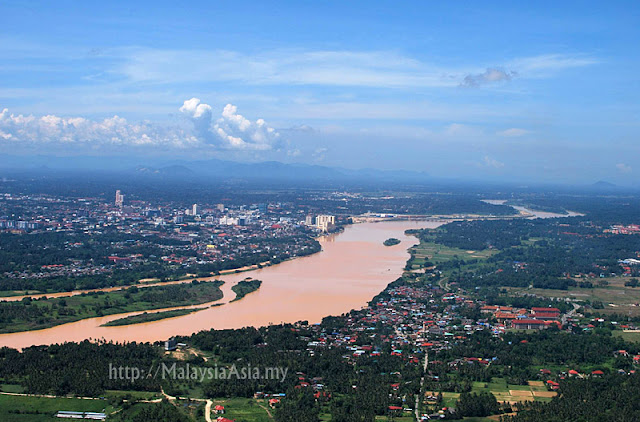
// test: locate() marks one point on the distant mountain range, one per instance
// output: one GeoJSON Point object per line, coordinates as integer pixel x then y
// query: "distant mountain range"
{"type": "Point", "coordinates": [273, 170]}
{"type": "Point", "coordinates": [211, 168]}
{"type": "Point", "coordinates": [214, 170]}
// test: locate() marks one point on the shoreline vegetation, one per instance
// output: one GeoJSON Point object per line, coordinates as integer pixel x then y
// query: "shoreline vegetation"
{"type": "Point", "coordinates": [391, 242]}
{"type": "Point", "coordinates": [150, 317]}
{"type": "Point", "coordinates": [28, 286]}
{"type": "Point", "coordinates": [245, 287]}
{"type": "Point", "coordinates": [36, 314]}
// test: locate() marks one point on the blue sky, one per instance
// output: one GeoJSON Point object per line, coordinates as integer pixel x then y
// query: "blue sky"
{"type": "Point", "coordinates": [490, 90]}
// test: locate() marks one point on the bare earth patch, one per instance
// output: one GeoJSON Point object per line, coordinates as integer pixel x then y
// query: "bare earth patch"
{"type": "Point", "coordinates": [545, 393]}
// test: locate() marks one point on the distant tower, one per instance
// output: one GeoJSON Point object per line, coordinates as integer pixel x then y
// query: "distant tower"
{"type": "Point", "coordinates": [119, 199]}
{"type": "Point", "coordinates": [220, 207]}
{"type": "Point", "coordinates": [194, 209]}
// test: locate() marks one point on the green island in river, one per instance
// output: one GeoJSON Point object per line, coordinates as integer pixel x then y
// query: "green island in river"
{"type": "Point", "coordinates": [245, 287]}
{"type": "Point", "coordinates": [36, 314]}
{"type": "Point", "coordinates": [391, 241]}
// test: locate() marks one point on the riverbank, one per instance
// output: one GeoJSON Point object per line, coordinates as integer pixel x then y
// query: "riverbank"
{"type": "Point", "coordinates": [44, 313]}
{"type": "Point", "coordinates": [149, 317]}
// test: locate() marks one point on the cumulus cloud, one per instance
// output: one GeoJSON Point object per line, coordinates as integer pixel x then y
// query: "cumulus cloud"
{"type": "Point", "coordinates": [624, 168]}
{"type": "Point", "coordinates": [231, 130]}
{"type": "Point", "coordinates": [492, 162]}
{"type": "Point", "coordinates": [513, 132]}
{"type": "Point", "coordinates": [21, 130]}
{"type": "Point", "coordinates": [488, 76]}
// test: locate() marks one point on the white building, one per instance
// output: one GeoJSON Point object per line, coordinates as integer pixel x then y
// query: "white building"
{"type": "Point", "coordinates": [325, 222]}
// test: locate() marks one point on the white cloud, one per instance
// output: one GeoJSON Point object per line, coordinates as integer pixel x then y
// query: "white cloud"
{"type": "Point", "coordinates": [513, 132]}
{"type": "Point", "coordinates": [380, 69]}
{"type": "Point", "coordinates": [624, 168]}
{"type": "Point", "coordinates": [276, 67]}
{"type": "Point", "coordinates": [195, 109]}
{"type": "Point", "coordinates": [20, 130]}
{"type": "Point", "coordinates": [491, 162]}
{"type": "Point", "coordinates": [543, 65]}
{"type": "Point", "coordinates": [231, 130]}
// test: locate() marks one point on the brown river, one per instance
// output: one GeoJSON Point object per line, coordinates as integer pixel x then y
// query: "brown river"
{"type": "Point", "coordinates": [353, 267]}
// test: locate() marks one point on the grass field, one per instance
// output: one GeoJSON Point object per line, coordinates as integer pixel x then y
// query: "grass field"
{"type": "Point", "coordinates": [535, 391]}
{"type": "Point", "coordinates": [23, 408]}
{"type": "Point", "coordinates": [395, 419]}
{"type": "Point", "coordinates": [243, 409]}
{"type": "Point", "coordinates": [632, 336]}
{"type": "Point", "coordinates": [616, 297]}
{"type": "Point", "coordinates": [436, 253]}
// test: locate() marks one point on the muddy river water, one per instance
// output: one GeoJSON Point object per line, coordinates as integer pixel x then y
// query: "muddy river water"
{"type": "Point", "coordinates": [353, 267]}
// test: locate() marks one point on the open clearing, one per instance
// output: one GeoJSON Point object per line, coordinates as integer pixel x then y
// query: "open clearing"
{"type": "Point", "coordinates": [616, 297]}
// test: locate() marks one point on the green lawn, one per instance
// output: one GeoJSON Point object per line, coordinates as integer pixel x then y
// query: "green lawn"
{"type": "Point", "coordinates": [243, 409]}
{"type": "Point", "coordinates": [11, 388]}
{"type": "Point", "coordinates": [22, 408]}
{"type": "Point", "coordinates": [632, 336]}
{"type": "Point", "coordinates": [437, 253]}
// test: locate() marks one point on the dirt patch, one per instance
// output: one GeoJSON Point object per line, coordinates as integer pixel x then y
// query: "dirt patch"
{"type": "Point", "coordinates": [545, 393]}
{"type": "Point", "coordinates": [536, 383]}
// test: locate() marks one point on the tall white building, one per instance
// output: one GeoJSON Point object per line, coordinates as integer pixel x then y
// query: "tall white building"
{"type": "Point", "coordinates": [325, 222]}
{"type": "Point", "coordinates": [119, 199]}
{"type": "Point", "coordinates": [194, 209]}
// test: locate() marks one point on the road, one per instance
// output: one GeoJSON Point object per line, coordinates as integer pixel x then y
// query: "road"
{"type": "Point", "coordinates": [421, 394]}
{"type": "Point", "coordinates": [207, 411]}
{"type": "Point", "coordinates": [570, 314]}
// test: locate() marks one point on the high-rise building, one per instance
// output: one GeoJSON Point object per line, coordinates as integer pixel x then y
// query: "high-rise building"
{"type": "Point", "coordinates": [194, 209]}
{"type": "Point", "coordinates": [325, 222]}
{"type": "Point", "coordinates": [220, 207]}
{"type": "Point", "coordinates": [119, 199]}
{"type": "Point", "coordinates": [310, 220]}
